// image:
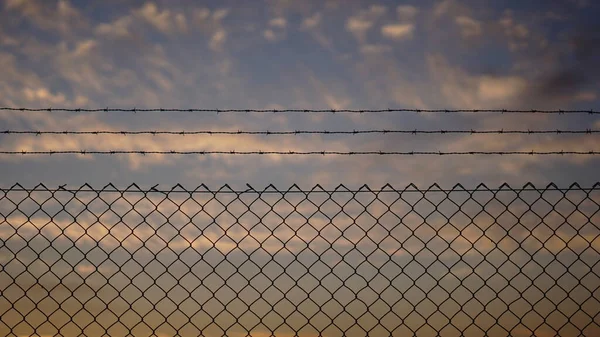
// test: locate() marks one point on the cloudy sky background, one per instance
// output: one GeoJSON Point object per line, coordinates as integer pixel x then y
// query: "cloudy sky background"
{"type": "Point", "coordinates": [299, 55]}
{"type": "Point", "coordinates": [292, 54]}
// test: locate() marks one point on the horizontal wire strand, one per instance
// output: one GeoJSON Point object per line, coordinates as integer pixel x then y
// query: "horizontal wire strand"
{"type": "Point", "coordinates": [134, 110]}
{"type": "Point", "coordinates": [295, 132]}
{"type": "Point", "coordinates": [397, 153]}
{"type": "Point", "coordinates": [226, 189]}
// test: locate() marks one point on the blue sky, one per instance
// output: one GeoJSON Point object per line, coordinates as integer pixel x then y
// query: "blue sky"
{"type": "Point", "coordinates": [297, 54]}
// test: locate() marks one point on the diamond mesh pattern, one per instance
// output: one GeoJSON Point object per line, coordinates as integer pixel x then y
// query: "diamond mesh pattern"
{"type": "Point", "coordinates": [409, 262]}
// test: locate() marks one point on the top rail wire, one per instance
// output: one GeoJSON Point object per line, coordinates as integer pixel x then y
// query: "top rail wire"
{"type": "Point", "coordinates": [341, 188]}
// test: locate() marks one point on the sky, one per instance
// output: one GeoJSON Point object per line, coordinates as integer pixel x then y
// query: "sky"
{"type": "Point", "coordinates": [303, 55]}
{"type": "Point", "coordinates": [284, 54]}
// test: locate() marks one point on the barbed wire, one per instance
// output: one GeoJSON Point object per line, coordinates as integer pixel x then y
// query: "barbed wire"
{"type": "Point", "coordinates": [324, 153]}
{"type": "Point", "coordinates": [295, 132]}
{"type": "Point", "coordinates": [359, 111]}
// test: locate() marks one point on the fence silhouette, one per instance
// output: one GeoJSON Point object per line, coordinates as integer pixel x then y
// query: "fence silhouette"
{"type": "Point", "coordinates": [222, 262]}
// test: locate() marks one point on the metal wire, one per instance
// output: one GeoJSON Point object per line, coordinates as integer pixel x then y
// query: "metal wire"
{"type": "Point", "coordinates": [142, 262]}
{"type": "Point", "coordinates": [203, 188]}
{"type": "Point", "coordinates": [334, 111]}
{"type": "Point", "coordinates": [323, 153]}
{"type": "Point", "coordinates": [295, 132]}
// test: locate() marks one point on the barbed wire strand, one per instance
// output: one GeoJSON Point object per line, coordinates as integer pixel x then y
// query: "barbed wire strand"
{"type": "Point", "coordinates": [295, 132]}
{"type": "Point", "coordinates": [359, 111]}
{"type": "Point", "coordinates": [324, 153]}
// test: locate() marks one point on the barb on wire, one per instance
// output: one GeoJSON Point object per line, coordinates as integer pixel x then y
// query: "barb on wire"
{"type": "Point", "coordinates": [324, 153]}
{"type": "Point", "coordinates": [333, 111]}
{"type": "Point", "coordinates": [295, 132]}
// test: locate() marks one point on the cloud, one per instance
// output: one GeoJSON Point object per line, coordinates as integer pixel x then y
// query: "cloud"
{"type": "Point", "coordinates": [42, 94]}
{"type": "Point", "coordinates": [95, 68]}
{"type": "Point", "coordinates": [375, 49]}
{"type": "Point", "coordinates": [217, 40]}
{"type": "Point", "coordinates": [220, 14]}
{"type": "Point", "coordinates": [398, 31]}
{"type": "Point", "coordinates": [164, 21]}
{"type": "Point", "coordinates": [469, 27]}
{"type": "Point", "coordinates": [181, 22]}
{"type": "Point", "coordinates": [279, 22]}
{"type": "Point", "coordinates": [278, 30]}
{"type": "Point", "coordinates": [119, 28]}
{"type": "Point", "coordinates": [120, 227]}
{"type": "Point", "coordinates": [516, 33]}
{"type": "Point", "coordinates": [84, 47]}
{"type": "Point", "coordinates": [473, 91]}
{"type": "Point", "coordinates": [311, 25]}
{"type": "Point", "coordinates": [160, 20]}
{"type": "Point", "coordinates": [407, 12]}
{"type": "Point", "coordinates": [12, 4]}
{"type": "Point", "coordinates": [312, 21]}
{"type": "Point", "coordinates": [334, 100]}
{"type": "Point", "coordinates": [586, 96]}
{"type": "Point", "coordinates": [22, 86]}
{"type": "Point", "coordinates": [358, 26]}
{"type": "Point", "coordinates": [362, 22]}
{"type": "Point", "coordinates": [168, 21]}
{"type": "Point", "coordinates": [211, 23]}
{"type": "Point", "coordinates": [65, 229]}
{"type": "Point", "coordinates": [572, 76]}
{"type": "Point", "coordinates": [272, 35]}
{"type": "Point", "coordinates": [66, 10]}
{"type": "Point", "coordinates": [200, 14]}
{"type": "Point", "coordinates": [63, 17]}
{"type": "Point", "coordinates": [377, 10]}
{"type": "Point", "coordinates": [441, 8]}
{"type": "Point", "coordinates": [498, 88]}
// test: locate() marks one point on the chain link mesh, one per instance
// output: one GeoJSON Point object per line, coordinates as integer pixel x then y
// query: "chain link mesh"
{"type": "Point", "coordinates": [391, 262]}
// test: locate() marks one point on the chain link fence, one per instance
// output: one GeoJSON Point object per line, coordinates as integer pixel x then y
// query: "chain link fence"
{"type": "Point", "coordinates": [390, 262]}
